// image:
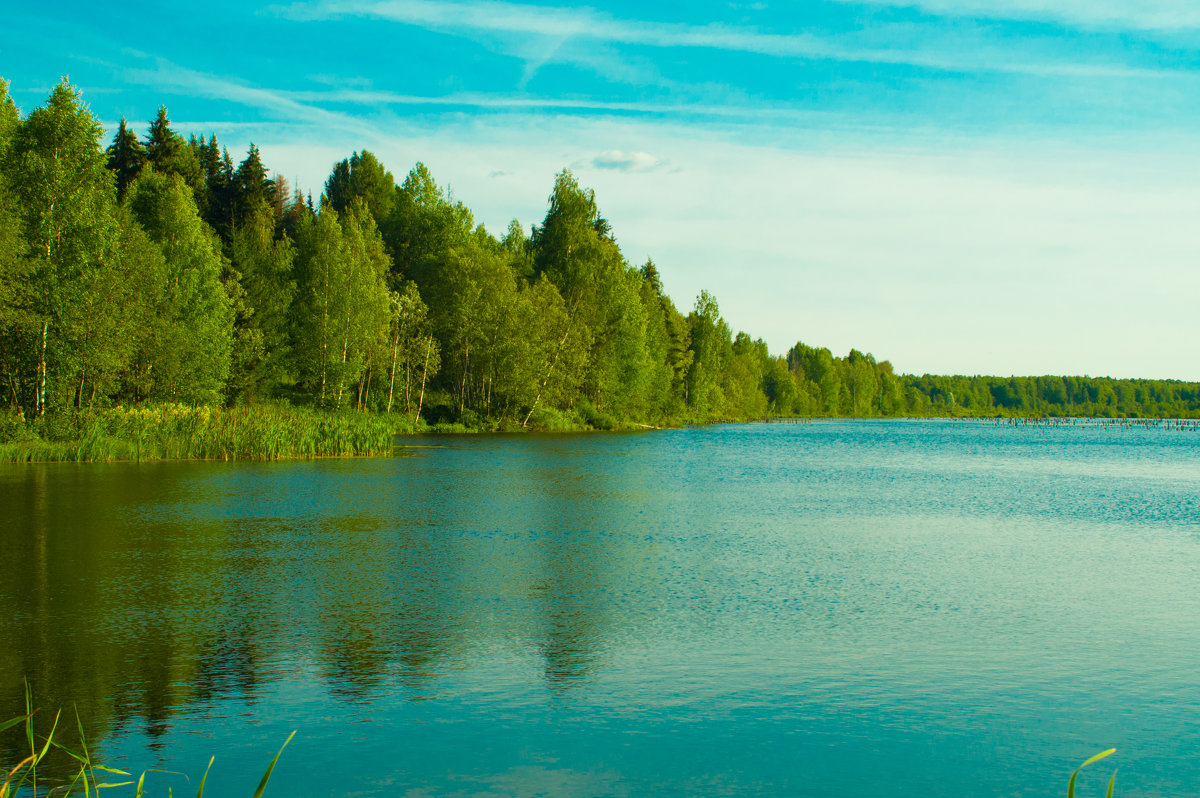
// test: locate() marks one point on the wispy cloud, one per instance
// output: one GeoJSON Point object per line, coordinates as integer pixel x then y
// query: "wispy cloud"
{"type": "Point", "coordinates": [168, 76]}
{"type": "Point", "coordinates": [495, 18]}
{"type": "Point", "coordinates": [501, 102]}
{"type": "Point", "coordinates": [1137, 15]}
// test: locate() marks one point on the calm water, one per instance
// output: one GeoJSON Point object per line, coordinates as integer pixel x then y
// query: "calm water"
{"type": "Point", "coordinates": [830, 609]}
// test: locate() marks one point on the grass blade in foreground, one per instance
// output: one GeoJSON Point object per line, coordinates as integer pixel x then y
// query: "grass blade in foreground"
{"type": "Point", "coordinates": [262, 785]}
{"type": "Point", "coordinates": [200, 792]}
{"type": "Point", "coordinates": [1096, 758]}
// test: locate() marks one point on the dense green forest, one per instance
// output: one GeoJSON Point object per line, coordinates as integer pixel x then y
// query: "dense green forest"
{"type": "Point", "coordinates": [157, 270]}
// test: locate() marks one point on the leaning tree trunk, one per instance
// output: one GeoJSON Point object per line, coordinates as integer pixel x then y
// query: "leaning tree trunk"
{"type": "Point", "coordinates": [41, 390]}
{"type": "Point", "coordinates": [546, 379]}
{"type": "Point", "coordinates": [424, 371]}
{"type": "Point", "coordinates": [392, 381]}
{"type": "Point", "coordinates": [462, 388]}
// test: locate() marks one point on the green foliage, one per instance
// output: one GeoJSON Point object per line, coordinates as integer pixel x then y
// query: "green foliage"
{"type": "Point", "coordinates": [264, 265]}
{"type": "Point", "coordinates": [424, 223]}
{"type": "Point", "coordinates": [189, 352]}
{"type": "Point", "coordinates": [594, 418]}
{"type": "Point", "coordinates": [126, 157]}
{"type": "Point", "coordinates": [9, 116]}
{"type": "Point", "coordinates": [249, 187]}
{"type": "Point", "coordinates": [362, 176]}
{"type": "Point", "coordinates": [547, 419]}
{"type": "Point", "coordinates": [169, 153]}
{"type": "Point", "coordinates": [712, 349]}
{"type": "Point", "coordinates": [1097, 397]}
{"type": "Point", "coordinates": [64, 197]}
{"type": "Point", "coordinates": [344, 306]}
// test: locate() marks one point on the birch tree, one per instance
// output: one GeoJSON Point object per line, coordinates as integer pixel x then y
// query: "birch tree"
{"type": "Point", "coordinates": [342, 301]}
{"type": "Point", "coordinates": [264, 265]}
{"type": "Point", "coordinates": [65, 198]}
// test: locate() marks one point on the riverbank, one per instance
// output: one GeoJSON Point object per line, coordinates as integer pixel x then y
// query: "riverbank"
{"type": "Point", "coordinates": [252, 432]}
{"type": "Point", "coordinates": [286, 432]}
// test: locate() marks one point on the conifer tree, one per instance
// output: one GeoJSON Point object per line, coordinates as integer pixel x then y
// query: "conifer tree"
{"type": "Point", "coordinates": [218, 170]}
{"type": "Point", "coordinates": [126, 157]}
{"type": "Point", "coordinates": [170, 153]}
{"type": "Point", "coordinates": [250, 186]}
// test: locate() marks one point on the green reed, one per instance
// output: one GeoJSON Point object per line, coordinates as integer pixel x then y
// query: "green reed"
{"type": "Point", "coordinates": [84, 779]}
{"type": "Point", "coordinates": [175, 432]}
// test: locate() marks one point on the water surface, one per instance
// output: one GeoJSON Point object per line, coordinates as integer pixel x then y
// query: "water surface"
{"type": "Point", "coordinates": [829, 609]}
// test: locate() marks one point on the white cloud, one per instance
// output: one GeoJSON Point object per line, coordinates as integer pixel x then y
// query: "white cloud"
{"type": "Point", "coordinates": [622, 161]}
{"type": "Point", "coordinates": [1144, 15]}
{"type": "Point", "coordinates": [518, 24]}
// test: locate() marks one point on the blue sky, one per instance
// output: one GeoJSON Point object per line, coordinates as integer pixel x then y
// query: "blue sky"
{"type": "Point", "coordinates": [974, 186]}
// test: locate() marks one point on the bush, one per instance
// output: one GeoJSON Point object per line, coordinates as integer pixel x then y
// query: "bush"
{"type": "Point", "coordinates": [13, 427]}
{"type": "Point", "coordinates": [593, 417]}
{"type": "Point", "coordinates": [547, 419]}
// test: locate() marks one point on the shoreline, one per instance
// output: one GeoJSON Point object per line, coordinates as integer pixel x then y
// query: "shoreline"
{"type": "Point", "coordinates": [265, 433]}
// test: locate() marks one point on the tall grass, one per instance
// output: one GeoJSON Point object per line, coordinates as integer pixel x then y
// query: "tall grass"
{"type": "Point", "coordinates": [172, 432]}
{"type": "Point", "coordinates": [83, 778]}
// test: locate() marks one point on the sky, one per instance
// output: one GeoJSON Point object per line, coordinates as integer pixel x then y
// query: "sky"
{"type": "Point", "coordinates": [957, 186]}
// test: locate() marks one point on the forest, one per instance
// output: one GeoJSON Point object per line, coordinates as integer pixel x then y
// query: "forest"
{"type": "Point", "coordinates": [142, 271]}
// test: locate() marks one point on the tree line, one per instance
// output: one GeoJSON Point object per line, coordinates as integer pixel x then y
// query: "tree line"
{"type": "Point", "coordinates": [155, 269]}
{"type": "Point", "coordinates": [858, 386]}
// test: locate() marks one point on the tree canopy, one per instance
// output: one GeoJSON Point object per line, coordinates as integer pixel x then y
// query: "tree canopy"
{"type": "Point", "coordinates": [156, 269]}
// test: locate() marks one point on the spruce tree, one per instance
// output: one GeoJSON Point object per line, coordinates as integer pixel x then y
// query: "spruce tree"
{"type": "Point", "coordinates": [251, 185]}
{"type": "Point", "coordinates": [126, 157]}
{"type": "Point", "coordinates": [170, 153]}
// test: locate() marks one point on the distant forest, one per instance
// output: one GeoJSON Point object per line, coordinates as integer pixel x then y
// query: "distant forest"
{"type": "Point", "coordinates": [156, 269]}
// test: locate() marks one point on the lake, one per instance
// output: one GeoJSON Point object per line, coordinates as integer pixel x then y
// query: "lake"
{"type": "Point", "coordinates": [837, 608]}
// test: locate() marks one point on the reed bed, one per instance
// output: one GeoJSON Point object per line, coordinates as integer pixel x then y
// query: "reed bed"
{"type": "Point", "coordinates": [81, 775]}
{"type": "Point", "coordinates": [179, 432]}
